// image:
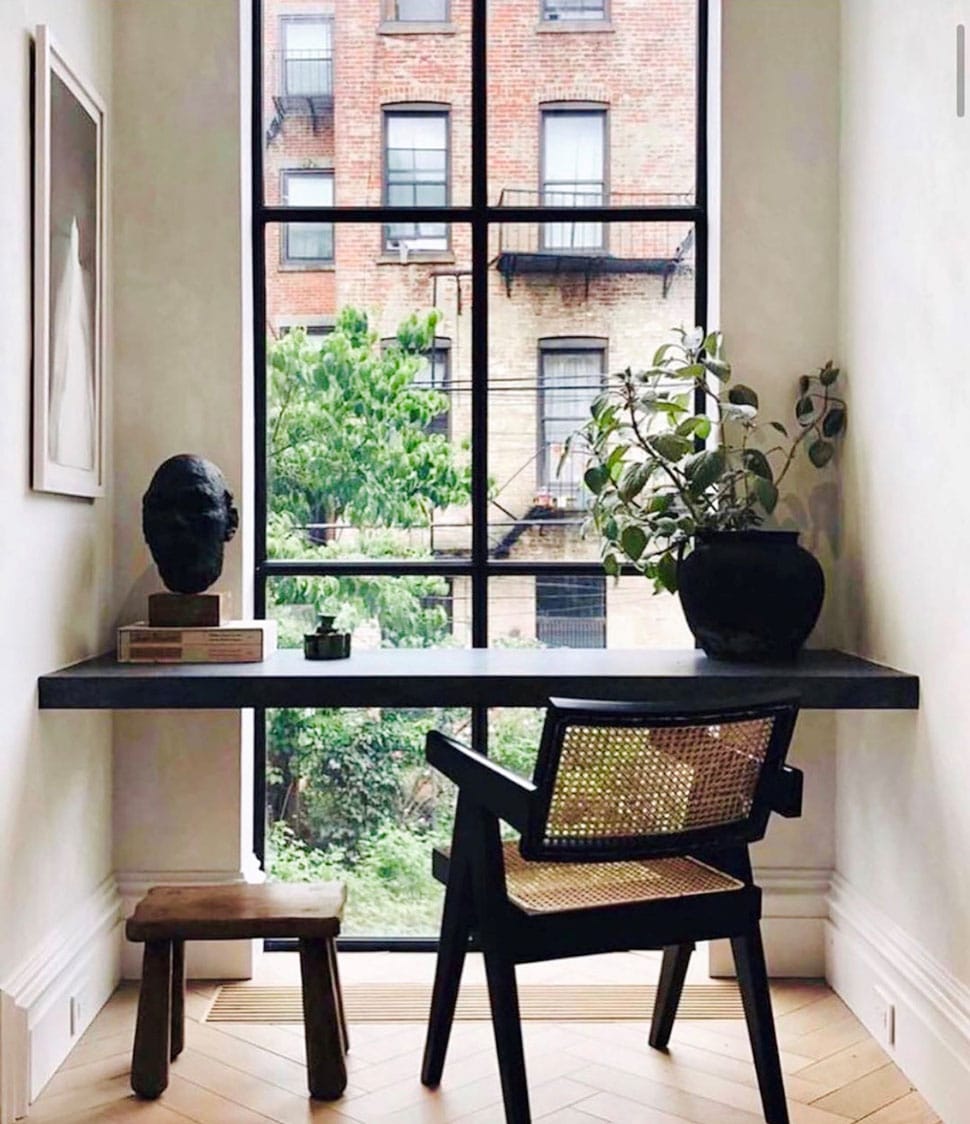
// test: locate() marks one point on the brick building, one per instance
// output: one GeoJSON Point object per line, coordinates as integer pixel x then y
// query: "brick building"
{"type": "Point", "coordinates": [590, 101]}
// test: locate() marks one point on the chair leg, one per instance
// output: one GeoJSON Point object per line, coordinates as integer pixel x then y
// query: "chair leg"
{"type": "Point", "coordinates": [326, 1068]}
{"type": "Point", "coordinates": [452, 946]}
{"type": "Point", "coordinates": [150, 1055]}
{"type": "Point", "coordinates": [749, 959]}
{"type": "Point", "coordinates": [503, 996]}
{"type": "Point", "coordinates": [178, 999]}
{"type": "Point", "coordinates": [672, 975]}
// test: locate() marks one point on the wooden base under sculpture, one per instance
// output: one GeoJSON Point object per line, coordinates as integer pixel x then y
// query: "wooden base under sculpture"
{"type": "Point", "coordinates": [187, 610]}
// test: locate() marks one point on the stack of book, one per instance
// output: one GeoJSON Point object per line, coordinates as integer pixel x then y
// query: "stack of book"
{"type": "Point", "coordinates": [230, 642]}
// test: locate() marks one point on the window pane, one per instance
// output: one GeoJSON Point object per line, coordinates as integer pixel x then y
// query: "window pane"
{"type": "Point", "coordinates": [305, 189]}
{"type": "Point", "coordinates": [432, 10]}
{"type": "Point", "coordinates": [559, 325]}
{"type": "Point", "coordinates": [327, 82]}
{"type": "Point", "coordinates": [583, 611]}
{"type": "Point", "coordinates": [416, 175]}
{"type": "Point", "coordinates": [365, 459]}
{"type": "Point", "coordinates": [645, 78]}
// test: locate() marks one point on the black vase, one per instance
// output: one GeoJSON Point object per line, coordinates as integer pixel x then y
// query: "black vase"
{"type": "Point", "coordinates": [750, 595]}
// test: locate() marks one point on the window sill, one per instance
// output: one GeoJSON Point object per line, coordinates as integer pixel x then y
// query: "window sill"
{"type": "Point", "coordinates": [410, 27]}
{"type": "Point", "coordinates": [306, 267]}
{"type": "Point", "coordinates": [418, 257]}
{"type": "Point", "coordinates": [561, 26]}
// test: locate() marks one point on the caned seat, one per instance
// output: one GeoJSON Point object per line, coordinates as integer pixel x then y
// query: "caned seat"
{"type": "Point", "coordinates": [633, 834]}
{"type": "Point", "coordinates": [168, 916]}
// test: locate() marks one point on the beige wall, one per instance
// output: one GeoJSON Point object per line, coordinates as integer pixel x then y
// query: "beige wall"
{"type": "Point", "coordinates": [904, 784]}
{"type": "Point", "coordinates": [182, 789]}
{"type": "Point", "coordinates": [778, 283]}
{"type": "Point", "coordinates": [56, 559]}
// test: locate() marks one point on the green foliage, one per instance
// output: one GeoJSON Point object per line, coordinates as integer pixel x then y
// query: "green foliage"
{"type": "Point", "coordinates": [347, 429]}
{"type": "Point", "coordinates": [653, 484]}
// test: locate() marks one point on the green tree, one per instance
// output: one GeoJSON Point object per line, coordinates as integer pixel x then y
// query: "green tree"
{"type": "Point", "coordinates": [348, 429]}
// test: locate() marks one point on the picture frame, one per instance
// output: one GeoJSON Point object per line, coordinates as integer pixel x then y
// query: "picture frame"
{"type": "Point", "coordinates": [69, 265]}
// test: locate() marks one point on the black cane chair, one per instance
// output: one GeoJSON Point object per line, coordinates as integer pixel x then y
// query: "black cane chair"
{"type": "Point", "coordinates": [634, 835]}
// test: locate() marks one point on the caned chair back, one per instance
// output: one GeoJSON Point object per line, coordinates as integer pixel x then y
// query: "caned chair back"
{"type": "Point", "coordinates": [626, 780]}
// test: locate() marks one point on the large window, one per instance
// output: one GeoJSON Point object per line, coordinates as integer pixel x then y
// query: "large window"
{"type": "Point", "coordinates": [307, 56]}
{"type": "Point", "coordinates": [573, 173]}
{"type": "Point", "coordinates": [499, 245]}
{"type": "Point", "coordinates": [416, 175]}
{"type": "Point", "coordinates": [307, 243]}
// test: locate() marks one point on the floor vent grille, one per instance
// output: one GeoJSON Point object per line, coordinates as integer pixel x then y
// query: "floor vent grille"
{"type": "Point", "coordinates": [408, 1002]}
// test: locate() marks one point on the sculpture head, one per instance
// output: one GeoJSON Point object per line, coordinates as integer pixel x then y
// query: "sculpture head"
{"type": "Point", "coordinates": [187, 517]}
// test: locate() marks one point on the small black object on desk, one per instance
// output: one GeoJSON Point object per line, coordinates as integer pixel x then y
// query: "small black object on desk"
{"type": "Point", "coordinates": [326, 643]}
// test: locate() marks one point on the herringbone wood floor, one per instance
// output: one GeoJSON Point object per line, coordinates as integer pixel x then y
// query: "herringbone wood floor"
{"type": "Point", "coordinates": [578, 1072]}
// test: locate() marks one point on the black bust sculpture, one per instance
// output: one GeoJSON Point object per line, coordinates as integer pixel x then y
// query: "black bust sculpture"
{"type": "Point", "coordinates": [187, 517]}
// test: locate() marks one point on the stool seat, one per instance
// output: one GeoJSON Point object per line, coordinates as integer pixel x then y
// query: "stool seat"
{"type": "Point", "coordinates": [238, 910]}
{"type": "Point", "coordinates": [168, 916]}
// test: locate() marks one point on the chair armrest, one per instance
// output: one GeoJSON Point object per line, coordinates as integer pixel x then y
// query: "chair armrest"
{"type": "Point", "coordinates": [502, 792]}
{"type": "Point", "coordinates": [786, 793]}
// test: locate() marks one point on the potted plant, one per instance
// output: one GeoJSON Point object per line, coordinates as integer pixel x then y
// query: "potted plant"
{"type": "Point", "coordinates": [683, 474]}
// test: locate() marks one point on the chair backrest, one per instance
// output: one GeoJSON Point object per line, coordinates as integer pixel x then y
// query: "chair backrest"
{"type": "Point", "coordinates": [627, 780]}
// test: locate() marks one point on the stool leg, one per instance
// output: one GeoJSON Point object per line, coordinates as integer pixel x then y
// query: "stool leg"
{"type": "Point", "coordinates": [326, 1069]}
{"type": "Point", "coordinates": [178, 998]}
{"type": "Point", "coordinates": [338, 994]}
{"type": "Point", "coordinates": [150, 1056]}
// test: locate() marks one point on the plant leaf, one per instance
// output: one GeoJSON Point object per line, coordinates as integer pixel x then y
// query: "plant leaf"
{"type": "Point", "coordinates": [742, 395]}
{"type": "Point", "coordinates": [719, 368]}
{"type": "Point", "coordinates": [666, 571]}
{"type": "Point", "coordinates": [634, 541]}
{"type": "Point", "coordinates": [703, 428]}
{"type": "Point", "coordinates": [610, 565]}
{"type": "Point", "coordinates": [804, 409]}
{"type": "Point", "coordinates": [766, 493]}
{"type": "Point", "coordinates": [781, 429]}
{"type": "Point", "coordinates": [668, 447]}
{"type": "Point", "coordinates": [596, 478]}
{"type": "Point", "coordinates": [804, 382]}
{"type": "Point", "coordinates": [634, 480]}
{"type": "Point", "coordinates": [834, 422]}
{"type": "Point", "coordinates": [756, 462]}
{"type": "Point", "coordinates": [704, 469]}
{"type": "Point", "coordinates": [820, 452]}
{"type": "Point", "coordinates": [828, 374]}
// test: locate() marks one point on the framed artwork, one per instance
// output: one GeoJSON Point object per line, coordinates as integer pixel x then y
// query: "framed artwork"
{"type": "Point", "coordinates": [68, 384]}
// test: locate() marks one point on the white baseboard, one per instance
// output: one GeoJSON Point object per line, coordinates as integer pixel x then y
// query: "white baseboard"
{"type": "Point", "coordinates": [204, 960]}
{"type": "Point", "coordinates": [866, 950]}
{"type": "Point", "coordinates": [49, 1000]}
{"type": "Point", "coordinates": [793, 916]}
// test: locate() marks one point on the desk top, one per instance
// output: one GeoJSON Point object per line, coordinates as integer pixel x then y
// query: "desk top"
{"type": "Point", "coordinates": [826, 680]}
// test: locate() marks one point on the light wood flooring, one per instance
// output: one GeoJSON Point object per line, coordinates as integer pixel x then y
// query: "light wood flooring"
{"type": "Point", "coordinates": [579, 1073]}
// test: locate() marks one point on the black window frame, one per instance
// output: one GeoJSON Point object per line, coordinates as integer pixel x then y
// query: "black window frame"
{"type": "Point", "coordinates": [291, 19]}
{"type": "Point", "coordinates": [287, 258]}
{"type": "Point", "coordinates": [480, 567]}
{"type": "Point", "coordinates": [389, 246]}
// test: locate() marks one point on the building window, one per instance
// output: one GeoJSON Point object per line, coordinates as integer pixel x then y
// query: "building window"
{"type": "Point", "coordinates": [416, 11]}
{"type": "Point", "coordinates": [307, 57]}
{"type": "Point", "coordinates": [573, 172]}
{"type": "Point", "coordinates": [306, 243]}
{"type": "Point", "coordinates": [571, 610]}
{"type": "Point", "coordinates": [416, 175]}
{"type": "Point", "coordinates": [573, 10]}
{"type": "Point", "coordinates": [571, 374]}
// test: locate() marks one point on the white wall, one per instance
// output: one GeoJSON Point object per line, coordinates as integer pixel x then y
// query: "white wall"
{"type": "Point", "coordinates": [902, 907]}
{"type": "Point", "coordinates": [55, 595]}
{"type": "Point", "coordinates": [777, 276]}
{"type": "Point", "coordinates": [183, 791]}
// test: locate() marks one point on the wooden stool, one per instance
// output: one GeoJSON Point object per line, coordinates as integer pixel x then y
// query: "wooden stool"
{"type": "Point", "coordinates": [170, 915]}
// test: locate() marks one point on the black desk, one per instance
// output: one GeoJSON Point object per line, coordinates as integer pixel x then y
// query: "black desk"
{"type": "Point", "coordinates": [826, 680]}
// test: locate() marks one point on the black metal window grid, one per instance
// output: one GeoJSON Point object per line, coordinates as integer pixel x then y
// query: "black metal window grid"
{"type": "Point", "coordinates": [480, 567]}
